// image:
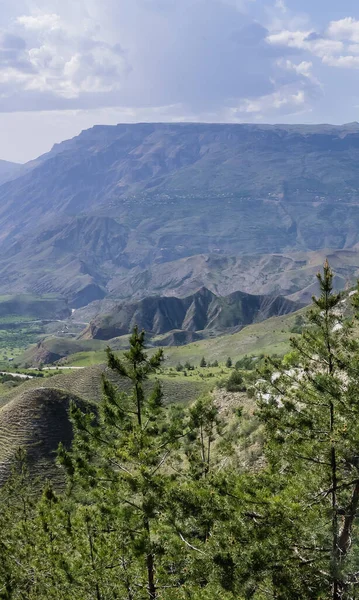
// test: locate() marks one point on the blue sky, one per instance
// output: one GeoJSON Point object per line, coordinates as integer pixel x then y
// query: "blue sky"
{"type": "Point", "coordinates": [68, 64]}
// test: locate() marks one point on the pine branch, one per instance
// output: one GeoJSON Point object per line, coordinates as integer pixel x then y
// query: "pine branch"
{"type": "Point", "coordinates": [190, 545]}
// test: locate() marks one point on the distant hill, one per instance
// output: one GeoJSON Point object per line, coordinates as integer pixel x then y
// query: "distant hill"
{"type": "Point", "coordinates": [116, 203]}
{"type": "Point", "coordinates": [9, 170]}
{"type": "Point", "coordinates": [196, 313]}
{"type": "Point", "coordinates": [281, 274]}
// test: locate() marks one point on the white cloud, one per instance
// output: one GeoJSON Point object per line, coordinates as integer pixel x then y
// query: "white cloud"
{"type": "Point", "coordinates": [40, 22]}
{"type": "Point", "coordinates": [345, 29]}
{"type": "Point", "coordinates": [62, 63]}
{"type": "Point", "coordinates": [353, 48]}
{"type": "Point", "coordinates": [304, 68]}
{"type": "Point", "coordinates": [284, 101]}
{"type": "Point", "coordinates": [335, 48]}
{"type": "Point", "coordinates": [345, 62]}
{"type": "Point", "coordinates": [306, 40]}
{"type": "Point", "coordinates": [139, 53]}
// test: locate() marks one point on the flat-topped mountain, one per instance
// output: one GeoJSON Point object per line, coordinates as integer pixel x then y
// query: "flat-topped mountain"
{"type": "Point", "coordinates": [81, 218]}
{"type": "Point", "coordinates": [199, 312]}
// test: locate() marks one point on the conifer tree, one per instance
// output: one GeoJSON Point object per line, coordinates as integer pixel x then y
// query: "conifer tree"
{"type": "Point", "coordinates": [121, 460]}
{"type": "Point", "coordinates": [310, 408]}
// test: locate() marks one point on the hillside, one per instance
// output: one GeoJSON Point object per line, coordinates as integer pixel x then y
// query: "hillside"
{"type": "Point", "coordinates": [35, 415]}
{"type": "Point", "coordinates": [281, 274]}
{"type": "Point", "coordinates": [269, 337]}
{"type": "Point", "coordinates": [9, 170]}
{"type": "Point", "coordinates": [202, 311]}
{"type": "Point", "coordinates": [108, 209]}
{"type": "Point", "coordinates": [36, 420]}
{"type": "Point", "coordinates": [32, 307]}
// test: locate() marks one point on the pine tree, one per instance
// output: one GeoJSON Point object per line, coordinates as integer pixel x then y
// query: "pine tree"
{"type": "Point", "coordinates": [310, 409]}
{"type": "Point", "coordinates": [121, 461]}
{"type": "Point", "coordinates": [203, 362]}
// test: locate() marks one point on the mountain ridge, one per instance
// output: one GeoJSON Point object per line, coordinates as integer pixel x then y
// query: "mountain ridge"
{"type": "Point", "coordinates": [138, 197]}
{"type": "Point", "coordinates": [200, 312]}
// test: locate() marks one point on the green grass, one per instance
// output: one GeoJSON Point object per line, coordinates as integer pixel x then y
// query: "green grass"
{"type": "Point", "coordinates": [85, 359]}
{"type": "Point", "coordinates": [17, 320]}
{"type": "Point", "coordinates": [268, 337]}
{"type": "Point", "coordinates": [13, 342]}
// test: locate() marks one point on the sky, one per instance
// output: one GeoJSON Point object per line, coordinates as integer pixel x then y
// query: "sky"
{"type": "Point", "coordinates": [66, 65]}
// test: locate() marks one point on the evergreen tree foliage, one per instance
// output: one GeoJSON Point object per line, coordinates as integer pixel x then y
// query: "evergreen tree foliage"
{"type": "Point", "coordinates": [310, 410]}
{"type": "Point", "coordinates": [160, 505]}
{"type": "Point", "coordinates": [122, 459]}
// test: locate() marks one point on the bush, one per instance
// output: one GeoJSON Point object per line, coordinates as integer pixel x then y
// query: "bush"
{"type": "Point", "coordinates": [235, 383]}
{"type": "Point", "coordinates": [247, 363]}
{"type": "Point", "coordinates": [228, 362]}
{"type": "Point", "coordinates": [298, 324]}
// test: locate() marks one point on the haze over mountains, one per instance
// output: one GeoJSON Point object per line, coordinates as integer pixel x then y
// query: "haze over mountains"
{"type": "Point", "coordinates": [9, 170]}
{"type": "Point", "coordinates": [167, 208]}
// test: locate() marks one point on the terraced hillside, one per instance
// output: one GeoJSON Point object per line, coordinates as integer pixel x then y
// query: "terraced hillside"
{"type": "Point", "coordinates": [35, 415]}
{"type": "Point", "coordinates": [37, 420]}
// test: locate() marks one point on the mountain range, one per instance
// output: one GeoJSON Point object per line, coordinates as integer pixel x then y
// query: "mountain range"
{"type": "Point", "coordinates": [136, 210]}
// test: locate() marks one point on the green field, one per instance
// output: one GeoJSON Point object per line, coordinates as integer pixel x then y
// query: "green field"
{"type": "Point", "coordinates": [22, 322]}
{"type": "Point", "coordinates": [13, 342]}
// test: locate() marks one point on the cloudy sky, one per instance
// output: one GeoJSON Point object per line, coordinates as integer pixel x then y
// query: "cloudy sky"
{"type": "Point", "coordinates": [68, 64]}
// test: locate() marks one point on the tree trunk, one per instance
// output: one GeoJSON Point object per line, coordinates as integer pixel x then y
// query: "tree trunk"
{"type": "Point", "coordinates": [151, 586]}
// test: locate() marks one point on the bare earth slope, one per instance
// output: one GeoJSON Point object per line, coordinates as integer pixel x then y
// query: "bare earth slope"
{"type": "Point", "coordinates": [202, 311]}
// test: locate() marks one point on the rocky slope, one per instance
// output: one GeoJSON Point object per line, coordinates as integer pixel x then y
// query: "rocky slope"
{"type": "Point", "coordinates": [202, 311]}
{"type": "Point", "coordinates": [119, 203]}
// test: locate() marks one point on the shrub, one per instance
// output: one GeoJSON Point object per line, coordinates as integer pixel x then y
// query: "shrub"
{"type": "Point", "coordinates": [235, 383]}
